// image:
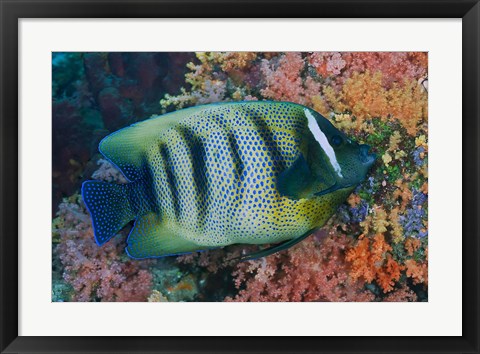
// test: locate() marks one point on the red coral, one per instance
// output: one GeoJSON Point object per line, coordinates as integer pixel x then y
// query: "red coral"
{"type": "Point", "coordinates": [313, 270]}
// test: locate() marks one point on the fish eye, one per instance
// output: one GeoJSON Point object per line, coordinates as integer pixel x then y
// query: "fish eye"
{"type": "Point", "coordinates": [336, 140]}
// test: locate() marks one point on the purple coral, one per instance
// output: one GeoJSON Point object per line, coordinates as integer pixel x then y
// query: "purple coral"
{"type": "Point", "coordinates": [417, 156]}
{"type": "Point", "coordinates": [355, 214]}
{"type": "Point", "coordinates": [412, 220]}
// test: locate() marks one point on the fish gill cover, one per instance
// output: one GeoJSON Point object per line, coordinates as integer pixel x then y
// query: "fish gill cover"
{"type": "Point", "coordinates": [373, 249]}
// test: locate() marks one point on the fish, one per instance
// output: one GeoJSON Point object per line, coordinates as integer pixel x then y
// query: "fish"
{"type": "Point", "coordinates": [204, 177]}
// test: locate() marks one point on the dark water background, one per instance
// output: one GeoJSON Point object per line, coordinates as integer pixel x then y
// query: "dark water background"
{"type": "Point", "coordinates": [94, 94]}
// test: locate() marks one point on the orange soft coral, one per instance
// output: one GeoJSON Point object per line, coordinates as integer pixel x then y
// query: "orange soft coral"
{"type": "Point", "coordinates": [417, 271]}
{"type": "Point", "coordinates": [365, 96]}
{"type": "Point", "coordinates": [371, 259]}
{"type": "Point", "coordinates": [411, 245]}
{"type": "Point", "coordinates": [237, 60]}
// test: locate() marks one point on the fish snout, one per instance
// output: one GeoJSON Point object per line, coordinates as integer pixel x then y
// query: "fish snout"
{"type": "Point", "coordinates": [365, 157]}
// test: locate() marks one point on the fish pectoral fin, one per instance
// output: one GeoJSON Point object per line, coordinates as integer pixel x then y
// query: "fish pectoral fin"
{"type": "Point", "coordinates": [276, 248]}
{"type": "Point", "coordinates": [305, 179]}
{"type": "Point", "coordinates": [296, 181]}
{"type": "Point", "coordinates": [334, 188]}
{"type": "Point", "coordinates": [149, 238]}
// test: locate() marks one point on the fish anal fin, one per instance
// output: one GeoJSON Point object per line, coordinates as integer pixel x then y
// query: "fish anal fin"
{"type": "Point", "coordinates": [150, 238]}
{"type": "Point", "coordinates": [275, 248]}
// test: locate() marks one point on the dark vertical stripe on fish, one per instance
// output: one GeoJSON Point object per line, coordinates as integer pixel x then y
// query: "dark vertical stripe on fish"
{"type": "Point", "coordinates": [197, 153]}
{"type": "Point", "coordinates": [273, 147]}
{"type": "Point", "coordinates": [234, 146]}
{"type": "Point", "coordinates": [171, 179]}
{"type": "Point", "coordinates": [147, 191]}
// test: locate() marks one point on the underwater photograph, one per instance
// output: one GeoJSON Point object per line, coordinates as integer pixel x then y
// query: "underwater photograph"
{"type": "Point", "coordinates": [240, 177]}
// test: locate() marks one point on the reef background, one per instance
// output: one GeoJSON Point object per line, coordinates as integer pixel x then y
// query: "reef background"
{"type": "Point", "coordinates": [375, 248]}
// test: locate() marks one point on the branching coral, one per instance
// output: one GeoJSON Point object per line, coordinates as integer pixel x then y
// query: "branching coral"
{"type": "Point", "coordinates": [372, 260]}
{"type": "Point", "coordinates": [364, 96]}
{"type": "Point", "coordinates": [314, 270]}
{"type": "Point", "coordinates": [97, 273]}
{"type": "Point", "coordinates": [284, 82]}
{"type": "Point", "coordinates": [403, 294]}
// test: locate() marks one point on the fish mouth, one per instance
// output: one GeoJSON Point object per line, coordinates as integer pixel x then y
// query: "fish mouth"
{"type": "Point", "coordinates": [365, 157]}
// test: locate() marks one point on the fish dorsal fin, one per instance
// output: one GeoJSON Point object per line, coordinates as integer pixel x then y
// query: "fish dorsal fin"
{"type": "Point", "coordinates": [127, 147]}
{"type": "Point", "coordinates": [276, 248]}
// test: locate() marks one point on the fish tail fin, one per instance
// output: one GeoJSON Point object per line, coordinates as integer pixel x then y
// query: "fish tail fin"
{"type": "Point", "coordinates": [109, 207]}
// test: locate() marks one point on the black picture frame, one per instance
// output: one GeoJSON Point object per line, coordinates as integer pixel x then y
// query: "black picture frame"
{"type": "Point", "coordinates": [13, 10]}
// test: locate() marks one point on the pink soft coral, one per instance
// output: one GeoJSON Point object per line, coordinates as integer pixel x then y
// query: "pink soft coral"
{"type": "Point", "coordinates": [394, 66]}
{"type": "Point", "coordinates": [97, 273]}
{"type": "Point", "coordinates": [313, 270]}
{"type": "Point", "coordinates": [282, 77]}
{"type": "Point", "coordinates": [94, 272]}
{"type": "Point", "coordinates": [327, 63]}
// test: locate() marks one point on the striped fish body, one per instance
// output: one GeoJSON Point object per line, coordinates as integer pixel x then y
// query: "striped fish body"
{"type": "Point", "coordinates": [220, 174]}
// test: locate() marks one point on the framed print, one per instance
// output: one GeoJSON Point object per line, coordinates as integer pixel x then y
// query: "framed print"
{"type": "Point", "coordinates": [249, 177]}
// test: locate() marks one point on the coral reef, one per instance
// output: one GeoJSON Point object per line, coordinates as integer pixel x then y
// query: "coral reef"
{"type": "Point", "coordinates": [315, 270]}
{"type": "Point", "coordinates": [97, 273]}
{"type": "Point", "coordinates": [375, 248]}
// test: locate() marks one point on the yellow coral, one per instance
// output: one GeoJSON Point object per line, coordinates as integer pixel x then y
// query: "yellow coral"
{"type": "Point", "coordinates": [396, 227]}
{"type": "Point", "coordinates": [421, 141]}
{"type": "Point", "coordinates": [395, 139]}
{"type": "Point", "coordinates": [403, 191]}
{"type": "Point", "coordinates": [399, 154]}
{"type": "Point", "coordinates": [366, 224]}
{"type": "Point", "coordinates": [380, 222]}
{"type": "Point", "coordinates": [345, 122]}
{"type": "Point", "coordinates": [334, 99]}
{"type": "Point", "coordinates": [319, 105]}
{"type": "Point", "coordinates": [157, 296]}
{"type": "Point", "coordinates": [386, 158]}
{"type": "Point", "coordinates": [408, 103]}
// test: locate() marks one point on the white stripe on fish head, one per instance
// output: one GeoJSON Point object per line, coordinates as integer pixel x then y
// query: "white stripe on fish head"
{"type": "Point", "coordinates": [321, 138]}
